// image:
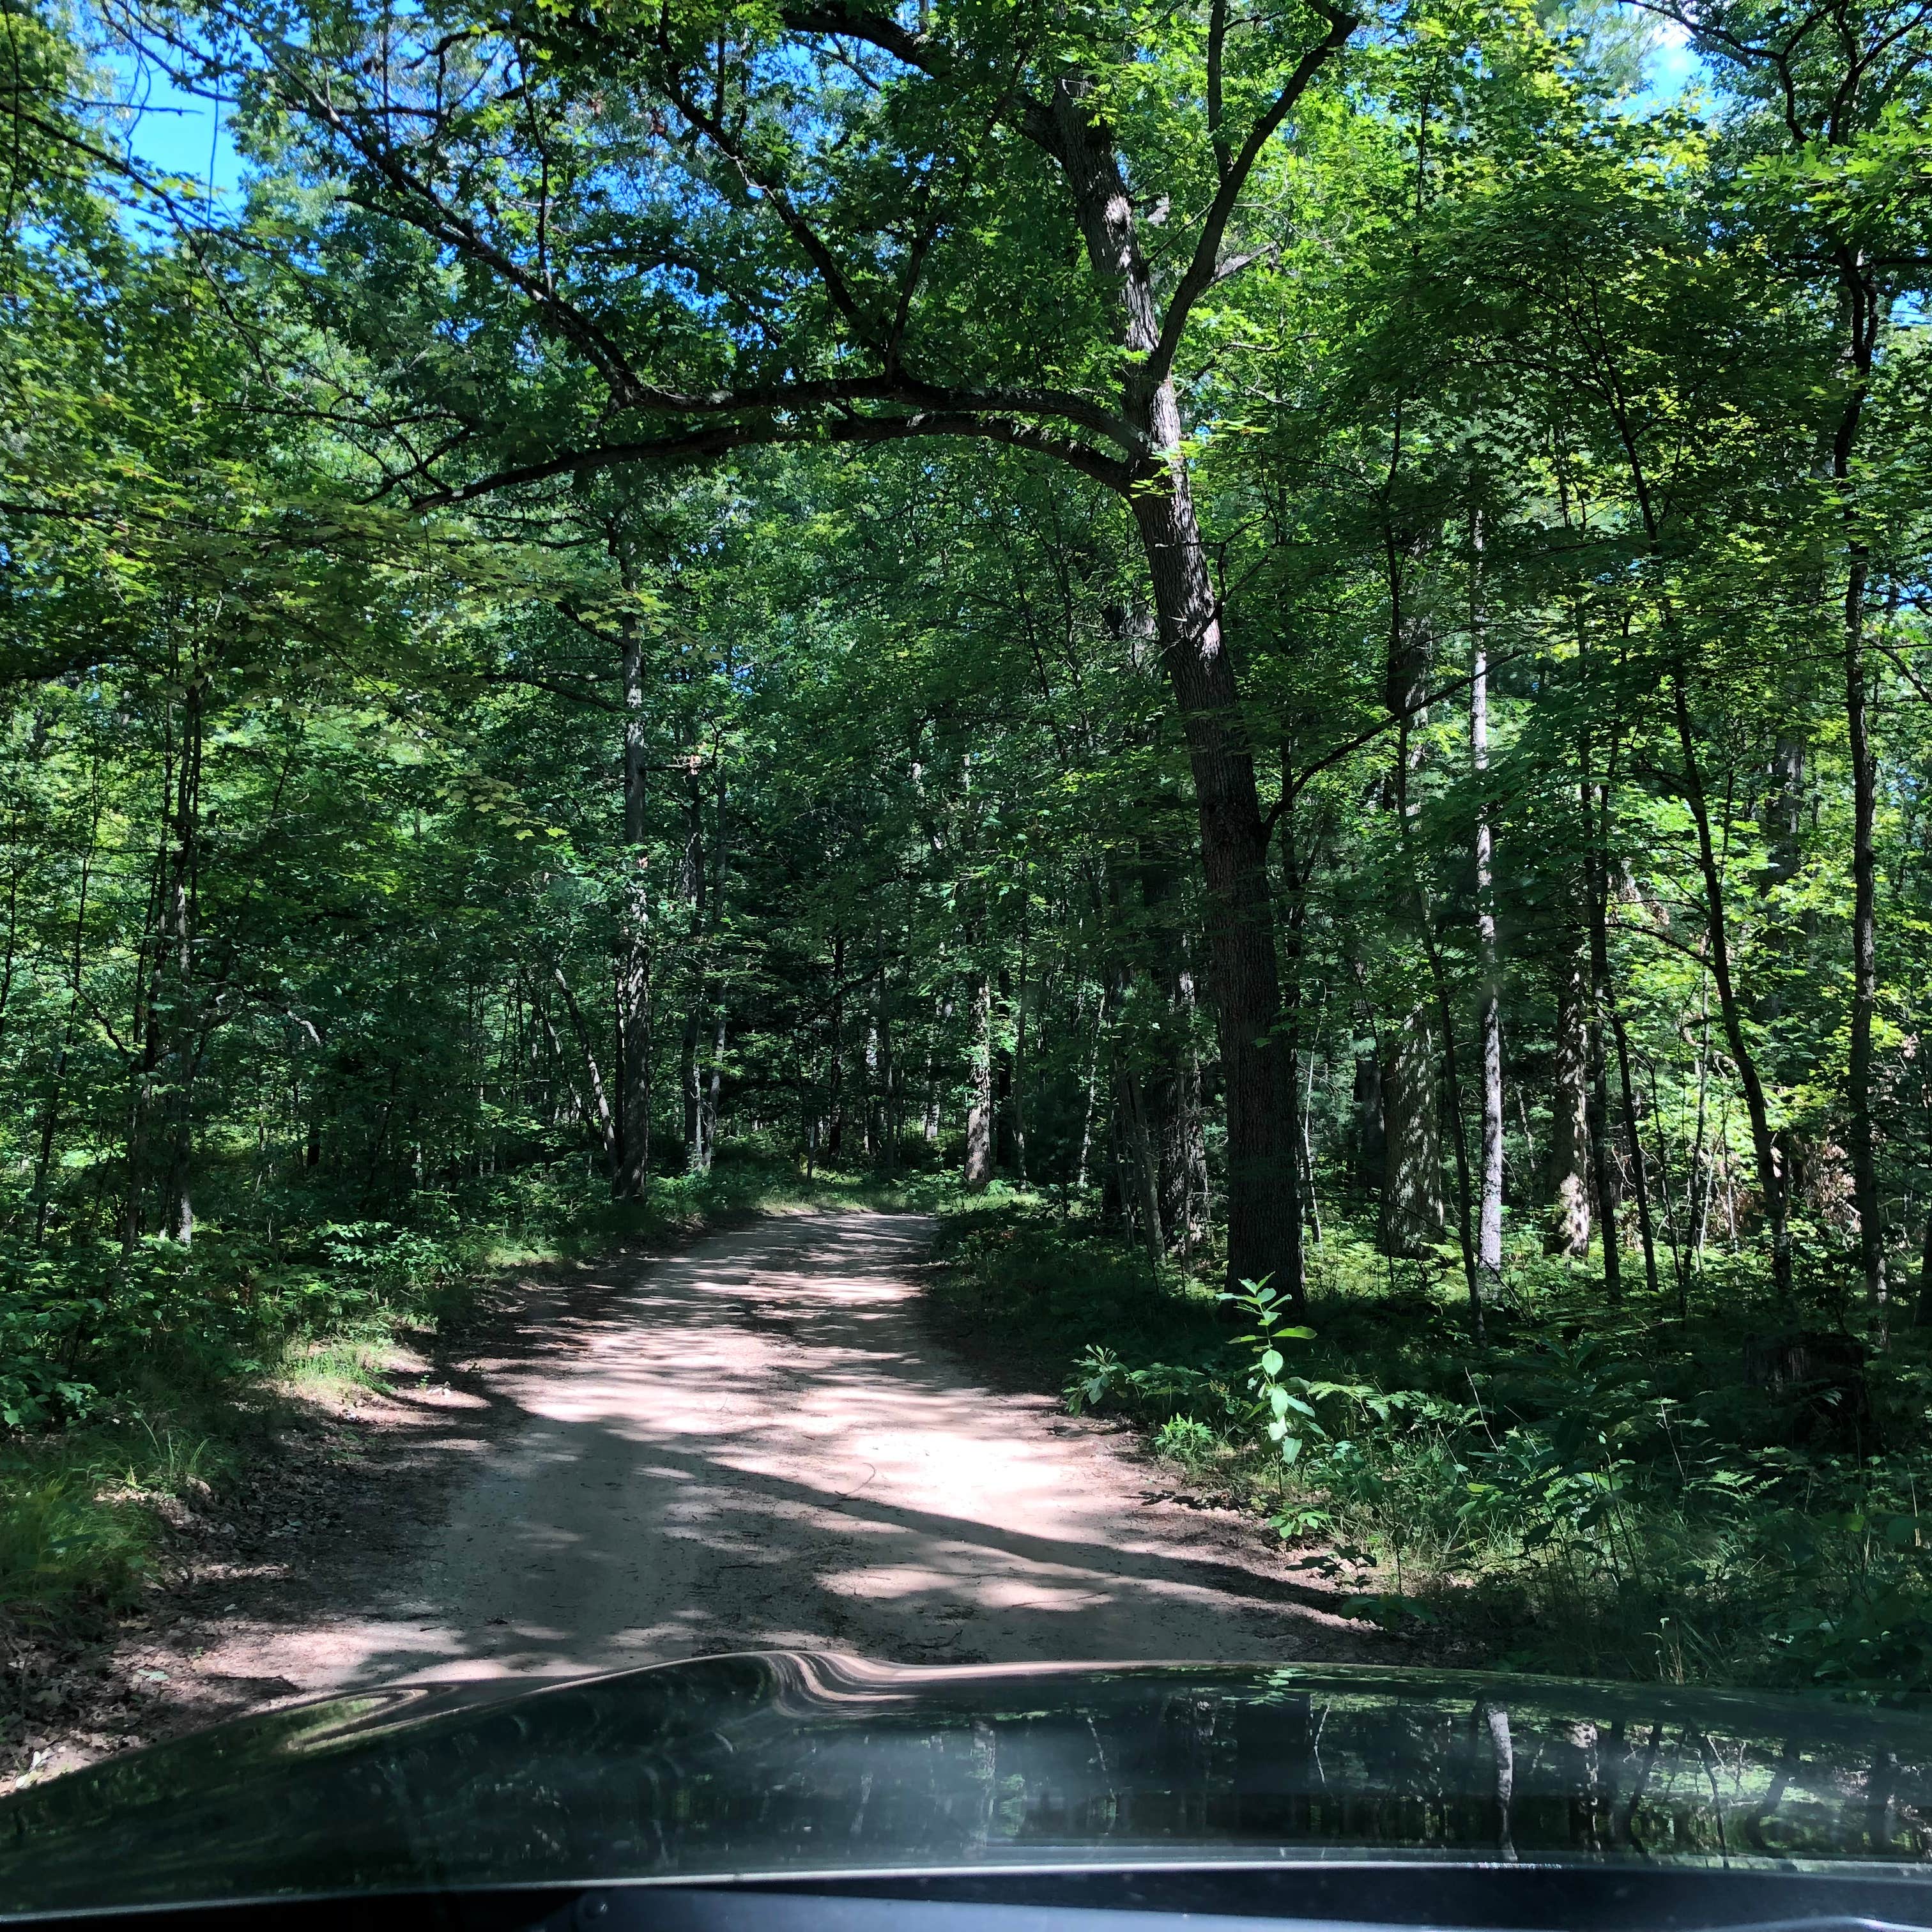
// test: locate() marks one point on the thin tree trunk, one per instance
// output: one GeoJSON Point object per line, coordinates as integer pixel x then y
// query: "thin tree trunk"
{"type": "Point", "coordinates": [1771, 1177]}
{"type": "Point", "coordinates": [1864, 310]}
{"type": "Point", "coordinates": [888, 1085]}
{"type": "Point", "coordinates": [1489, 1210]}
{"type": "Point", "coordinates": [978, 1169]}
{"type": "Point", "coordinates": [1569, 1116]}
{"type": "Point", "coordinates": [1600, 961]}
{"type": "Point", "coordinates": [602, 1115]}
{"type": "Point", "coordinates": [1603, 1159]}
{"type": "Point", "coordinates": [714, 1087]}
{"type": "Point", "coordinates": [1697, 1191]}
{"type": "Point", "coordinates": [1860, 1147]}
{"type": "Point", "coordinates": [1311, 1200]}
{"type": "Point", "coordinates": [1144, 1160]}
{"type": "Point", "coordinates": [1640, 1170]}
{"type": "Point", "coordinates": [694, 876]}
{"type": "Point", "coordinates": [1922, 1315]}
{"type": "Point", "coordinates": [1092, 1083]}
{"type": "Point", "coordinates": [713, 987]}
{"type": "Point", "coordinates": [835, 1077]}
{"type": "Point", "coordinates": [689, 1091]}
{"type": "Point", "coordinates": [1670, 1226]}
{"type": "Point", "coordinates": [1425, 926]}
{"type": "Point", "coordinates": [1018, 1100]}
{"type": "Point", "coordinates": [1412, 1218]}
{"type": "Point", "coordinates": [172, 1017]}
{"type": "Point", "coordinates": [1296, 878]}
{"type": "Point", "coordinates": [50, 1118]}
{"type": "Point", "coordinates": [632, 1155]}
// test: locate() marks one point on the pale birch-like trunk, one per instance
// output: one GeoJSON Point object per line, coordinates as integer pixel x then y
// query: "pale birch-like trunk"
{"type": "Point", "coordinates": [1489, 1027]}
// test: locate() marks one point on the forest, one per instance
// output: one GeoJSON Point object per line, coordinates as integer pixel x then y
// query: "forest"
{"type": "Point", "coordinates": [1274, 656]}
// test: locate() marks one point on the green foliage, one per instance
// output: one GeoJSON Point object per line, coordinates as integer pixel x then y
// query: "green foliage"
{"type": "Point", "coordinates": [59, 1547]}
{"type": "Point", "coordinates": [1574, 1498]}
{"type": "Point", "coordinates": [142, 1376]}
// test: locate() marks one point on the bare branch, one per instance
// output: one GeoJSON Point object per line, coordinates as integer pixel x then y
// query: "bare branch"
{"type": "Point", "coordinates": [1202, 270]}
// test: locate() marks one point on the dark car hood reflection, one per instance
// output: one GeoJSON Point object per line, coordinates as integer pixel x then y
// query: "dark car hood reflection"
{"type": "Point", "coordinates": [789, 1763]}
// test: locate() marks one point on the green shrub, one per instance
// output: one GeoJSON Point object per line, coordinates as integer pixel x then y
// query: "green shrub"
{"type": "Point", "coordinates": [1595, 1491]}
{"type": "Point", "coordinates": [60, 1544]}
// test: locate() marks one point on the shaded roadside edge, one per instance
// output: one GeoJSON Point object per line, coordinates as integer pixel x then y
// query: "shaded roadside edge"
{"type": "Point", "coordinates": [327, 1498]}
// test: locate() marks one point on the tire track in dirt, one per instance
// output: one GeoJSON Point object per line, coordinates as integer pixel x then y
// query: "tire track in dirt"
{"type": "Point", "coordinates": [759, 1442]}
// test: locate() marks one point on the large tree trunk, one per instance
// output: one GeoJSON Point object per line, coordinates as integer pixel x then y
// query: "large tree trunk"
{"type": "Point", "coordinates": [1242, 970]}
{"type": "Point", "coordinates": [1263, 1218]}
{"type": "Point", "coordinates": [1569, 1233]}
{"type": "Point", "coordinates": [1244, 975]}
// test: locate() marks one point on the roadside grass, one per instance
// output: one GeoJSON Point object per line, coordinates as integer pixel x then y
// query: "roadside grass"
{"type": "Point", "coordinates": [129, 1381]}
{"type": "Point", "coordinates": [1593, 1490]}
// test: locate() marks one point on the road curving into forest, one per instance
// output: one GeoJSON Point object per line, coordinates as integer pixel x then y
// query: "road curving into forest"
{"type": "Point", "coordinates": [758, 1442]}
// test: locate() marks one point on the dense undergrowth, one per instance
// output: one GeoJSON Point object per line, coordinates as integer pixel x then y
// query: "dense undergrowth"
{"type": "Point", "coordinates": [130, 1378]}
{"type": "Point", "coordinates": [1592, 1490]}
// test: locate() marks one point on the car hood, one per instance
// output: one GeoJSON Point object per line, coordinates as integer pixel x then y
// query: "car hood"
{"type": "Point", "coordinates": [784, 1764]}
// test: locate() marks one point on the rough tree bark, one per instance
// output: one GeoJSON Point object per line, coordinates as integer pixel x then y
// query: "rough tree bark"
{"type": "Point", "coordinates": [1244, 971]}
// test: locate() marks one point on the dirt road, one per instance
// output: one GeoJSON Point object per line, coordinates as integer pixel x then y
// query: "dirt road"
{"type": "Point", "coordinates": [758, 1442]}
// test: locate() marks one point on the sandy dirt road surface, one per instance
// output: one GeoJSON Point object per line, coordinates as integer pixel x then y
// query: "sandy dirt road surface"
{"type": "Point", "coordinates": [759, 1442]}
